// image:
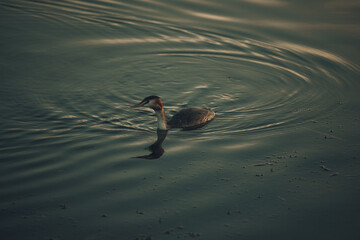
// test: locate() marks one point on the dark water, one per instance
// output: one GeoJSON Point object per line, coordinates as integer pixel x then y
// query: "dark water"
{"type": "Point", "coordinates": [280, 160]}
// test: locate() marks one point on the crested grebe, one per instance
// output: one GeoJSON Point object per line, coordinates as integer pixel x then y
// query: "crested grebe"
{"type": "Point", "coordinates": [189, 118]}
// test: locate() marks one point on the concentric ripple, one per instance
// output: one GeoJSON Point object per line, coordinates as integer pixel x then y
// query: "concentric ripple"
{"type": "Point", "coordinates": [251, 84]}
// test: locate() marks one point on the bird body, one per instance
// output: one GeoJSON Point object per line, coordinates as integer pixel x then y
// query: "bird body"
{"type": "Point", "coordinates": [187, 119]}
{"type": "Point", "coordinates": [190, 118]}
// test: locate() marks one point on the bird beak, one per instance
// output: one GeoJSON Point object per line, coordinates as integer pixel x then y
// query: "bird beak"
{"type": "Point", "coordinates": [137, 105]}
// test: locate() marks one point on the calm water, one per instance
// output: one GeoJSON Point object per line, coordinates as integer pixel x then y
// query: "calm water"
{"type": "Point", "coordinates": [280, 160]}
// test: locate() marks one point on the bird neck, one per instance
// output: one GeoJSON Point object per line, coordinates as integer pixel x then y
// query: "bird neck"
{"type": "Point", "coordinates": [160, 114]}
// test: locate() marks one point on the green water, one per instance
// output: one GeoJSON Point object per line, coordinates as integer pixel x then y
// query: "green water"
{"type": "Point", "coordinates": [279, 161]}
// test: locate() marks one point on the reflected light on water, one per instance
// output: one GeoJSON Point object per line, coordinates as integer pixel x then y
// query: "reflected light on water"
{"type": "Point", "coordinates": [179, 148]}
{"type": "Point", "coordinates": [272, 3]}
{"type": "Point", "coordinates": [314, 51]}
{"type": "Point", "coordinates": [136, 143]}
{"type": "Point", "coordinates": [214, 17]}
{"type": "Point", "coordinates": [239, 146]}
{"type": "Point", "coordinates": [272, 65]}
{"type": "Point", "coordinates": [161, 39]}
{"type": "Point", "coordinates": [349, 4]}
{"type": "Point", "coordinates": [201, 86]}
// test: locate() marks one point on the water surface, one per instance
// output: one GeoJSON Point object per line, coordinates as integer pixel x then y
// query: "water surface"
{"type": "Point", "coordinates": [280, 160]}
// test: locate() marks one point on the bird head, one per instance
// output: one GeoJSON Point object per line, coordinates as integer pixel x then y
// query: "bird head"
{"type": "Point", "coordinates": [152, 102]}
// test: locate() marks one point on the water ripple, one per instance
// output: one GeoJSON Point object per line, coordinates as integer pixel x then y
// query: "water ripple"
{"type": "Point", "coordinates": [73, 68]}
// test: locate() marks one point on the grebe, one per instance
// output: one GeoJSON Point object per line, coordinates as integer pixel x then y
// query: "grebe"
{"type": "Point", "coordinates": [187, 119]}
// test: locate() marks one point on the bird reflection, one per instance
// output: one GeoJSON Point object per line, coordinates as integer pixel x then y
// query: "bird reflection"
{"type": "Point", "coordinates": [156, 148]}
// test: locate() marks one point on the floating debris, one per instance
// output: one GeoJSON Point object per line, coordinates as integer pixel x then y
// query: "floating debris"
{"type": "Point", "coordinates": [281, 198]}
{"type": "Point", "coordinates": [104, 215]}
{"type": "Point", "coordinates": [334, 174]}
{"type": "Point", "coordinates": [325, 168]}
{"type": "Point", "coordinates": [225, 179]}
{"type": "Point", "coordinates": [229, 212]}
{"type": "Point", "coordinates": [140, 212]}
{"type": "Point", "coordinates": [63, 206]}
{"type": "Point", "coordinates": [260, 164]}
{"type": "Point", "coordinates": [168, 232]}
{"type": "Point", "coordinates": [192, 234]}
{"type": "Point", "coordinates": [143, 238]}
